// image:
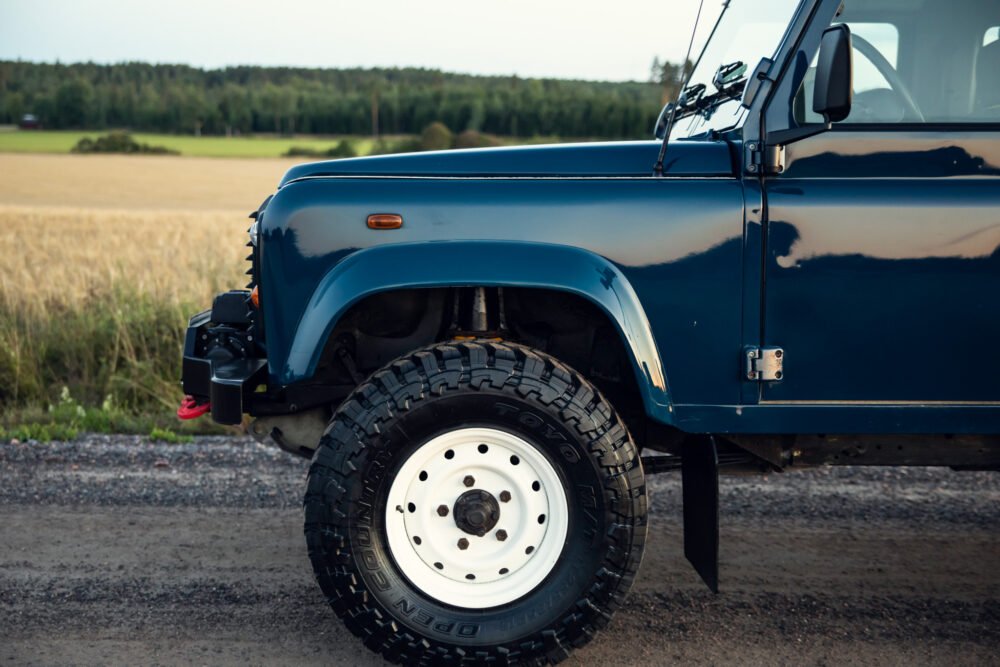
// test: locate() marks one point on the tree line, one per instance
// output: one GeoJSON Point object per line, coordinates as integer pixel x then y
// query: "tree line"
{"type": "Point", "coordinates": [245, 100]}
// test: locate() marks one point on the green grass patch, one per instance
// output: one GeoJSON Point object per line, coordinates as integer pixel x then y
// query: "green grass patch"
{"type": "Point", "coordinates": [63, 141]}
{"type": "Point", "coordinates": [65, 419]}
{"type": "Point", "coordinates": [166, 435]}
{"type": "Point", "coordinates": [107, 364]}
{"type": "Point", "coordinates": [58, 141]}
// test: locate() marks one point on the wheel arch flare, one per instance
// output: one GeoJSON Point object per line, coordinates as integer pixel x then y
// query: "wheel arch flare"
{"type": "Point", "coordinates": [474, 263]}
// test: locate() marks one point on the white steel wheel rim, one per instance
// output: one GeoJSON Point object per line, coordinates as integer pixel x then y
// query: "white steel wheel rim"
{"type": "Point", "coordinates": [492, 569]}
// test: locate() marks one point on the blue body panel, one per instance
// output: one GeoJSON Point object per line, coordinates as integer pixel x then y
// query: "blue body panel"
{"type": "Point", "coordinates": [883, 268]}
{"type": "Point", "coordinates": [691, 267]}
{"type": "Point", "coordinates": [619, 158]}
{"type": "Point", "coordinates": [660, 256]}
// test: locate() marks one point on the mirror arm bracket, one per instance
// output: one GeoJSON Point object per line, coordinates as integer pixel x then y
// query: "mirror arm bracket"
{"type": "Point", "coordinates": [797, 133]}
{"type": "Point", "coordinates": [771, 158]}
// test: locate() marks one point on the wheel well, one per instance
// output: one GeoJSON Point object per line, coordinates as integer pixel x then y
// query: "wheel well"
{"type": "Point", "coordinates": [386, 325]}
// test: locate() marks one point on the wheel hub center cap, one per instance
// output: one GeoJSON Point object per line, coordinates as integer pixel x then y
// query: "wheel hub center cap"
{"type": "Point", "coordinates": [476, 512]}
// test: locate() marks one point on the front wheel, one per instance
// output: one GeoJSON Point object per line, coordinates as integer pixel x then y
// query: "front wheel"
{"type": "Point", "coordinates": [475, 502]}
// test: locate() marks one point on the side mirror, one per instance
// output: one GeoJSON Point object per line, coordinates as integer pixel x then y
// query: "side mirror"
{"type": "Point", "coordinates": [833, 90]}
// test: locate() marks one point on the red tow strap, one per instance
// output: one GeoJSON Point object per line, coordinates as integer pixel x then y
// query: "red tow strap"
{"type": "Point", "coordinates": [190, 409]}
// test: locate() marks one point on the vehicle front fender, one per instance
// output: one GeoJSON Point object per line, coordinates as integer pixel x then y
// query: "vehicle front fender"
{"type": "Point", "coordinates": [476, 263]}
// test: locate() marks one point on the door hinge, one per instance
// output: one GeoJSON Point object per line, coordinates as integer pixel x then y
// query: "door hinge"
{"type": "Point", "coordinates": [770, 160]}
{"type": "Point", "coordinates": [765, 364]}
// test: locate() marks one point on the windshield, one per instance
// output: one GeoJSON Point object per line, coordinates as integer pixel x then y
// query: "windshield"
{"type": "Point", "coordinates": [749, 30]}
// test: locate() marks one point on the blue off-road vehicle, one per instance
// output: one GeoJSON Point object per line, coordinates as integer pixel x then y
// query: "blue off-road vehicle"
{"type": "Point", "coordinates": [484, 351]}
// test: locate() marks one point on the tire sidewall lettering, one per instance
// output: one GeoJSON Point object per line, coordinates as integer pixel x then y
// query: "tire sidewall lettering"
{"type": "Point", "coordinates": [411, 610]}
{"type": "Point", "coordinates": [540, 427]}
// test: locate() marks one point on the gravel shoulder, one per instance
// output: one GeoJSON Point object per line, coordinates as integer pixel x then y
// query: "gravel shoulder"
{"type": "Point", "coordinates": [115, 550]}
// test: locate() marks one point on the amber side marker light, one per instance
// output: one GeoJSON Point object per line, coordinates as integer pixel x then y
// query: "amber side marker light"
{"type": "Point", "coordinates": [385, 221]}
{"type": "Point", "coordinates": [255, 298]}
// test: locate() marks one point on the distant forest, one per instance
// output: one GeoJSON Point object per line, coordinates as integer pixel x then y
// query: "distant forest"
{"type": "Point", "coordinates": [245, 100]}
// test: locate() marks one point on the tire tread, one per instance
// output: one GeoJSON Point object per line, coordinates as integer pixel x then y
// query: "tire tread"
{"type": "Point", "coordinates": [438, 370]}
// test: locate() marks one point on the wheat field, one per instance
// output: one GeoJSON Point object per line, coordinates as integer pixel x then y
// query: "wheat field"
{"type": "Point", "coordinates": [103, 257]}
{"type": "Point", "coordinates": [173, 228]}
{"type": "Point", "coordinates": [59, 256]}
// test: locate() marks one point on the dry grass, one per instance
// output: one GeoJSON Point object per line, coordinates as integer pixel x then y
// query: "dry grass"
{"type": "Point", "coordinates": [172, 228]}
{"type": "Point", "coordinates": [144, 182]}
{"type": "Point", "coordinates": [103, 258]}
{"type": "Point", "coordinates": [64, 255]}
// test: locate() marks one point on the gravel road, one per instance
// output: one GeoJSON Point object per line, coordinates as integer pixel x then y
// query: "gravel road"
{"type": "Point", "coordinates": [117, 551]}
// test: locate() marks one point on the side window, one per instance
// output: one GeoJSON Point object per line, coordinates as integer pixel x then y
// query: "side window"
{"type": "Point", "coordinates": [986, 95]}
{"type": "Point", "coordinates": [930, 62]}
{"type": "Point", "coordinates": [884, 39]}
{"type": "Point", "coordinates": [876, 54]}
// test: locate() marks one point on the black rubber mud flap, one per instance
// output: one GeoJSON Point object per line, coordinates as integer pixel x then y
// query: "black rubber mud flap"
{"type": "Point", "coordinates": [700, 479]}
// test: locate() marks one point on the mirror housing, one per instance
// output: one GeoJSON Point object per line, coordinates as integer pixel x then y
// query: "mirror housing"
{"type": "Point", "coordinates": [833, 90]}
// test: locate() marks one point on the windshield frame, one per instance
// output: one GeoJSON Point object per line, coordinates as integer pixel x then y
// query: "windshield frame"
{"type": "Point", "coordinates": [703, 71]}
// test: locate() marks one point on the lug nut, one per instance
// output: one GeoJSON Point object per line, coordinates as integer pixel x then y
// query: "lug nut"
{"type": "Point", "coordinates": [469, 480]}
{"type": "Point", "coordinates": [501, 535]}
{"type": "Point", "coordinates": [442, 510]}
{"type": "Point", "coordinates": [463, 544]}
{"type": "Point", "coordinates": [505, 496]}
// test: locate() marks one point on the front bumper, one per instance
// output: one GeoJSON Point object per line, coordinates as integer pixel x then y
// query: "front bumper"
{"type": "Point", "coordinates": [225, 382]}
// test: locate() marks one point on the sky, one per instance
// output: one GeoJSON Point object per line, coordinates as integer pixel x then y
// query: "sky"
{"type": "Point", "coordinates": [585, 39]}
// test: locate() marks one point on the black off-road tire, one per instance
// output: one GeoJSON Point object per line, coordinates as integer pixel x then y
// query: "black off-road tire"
{"type": "Point", "coordinates": [445, 387]}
